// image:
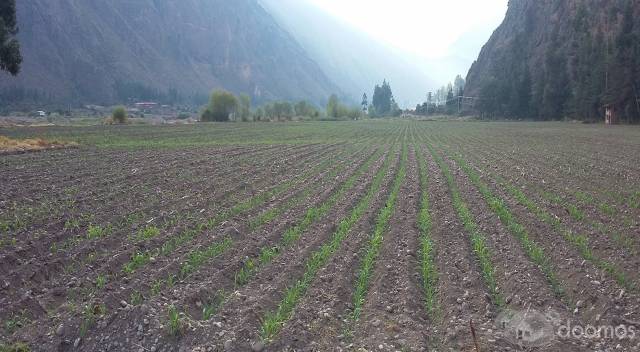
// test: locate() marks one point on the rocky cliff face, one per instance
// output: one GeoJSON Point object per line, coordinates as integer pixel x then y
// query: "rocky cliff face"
{"type": "Point", "coordinates": [86, 51]}
{"type": "Point", "coordinates": [551, 59]}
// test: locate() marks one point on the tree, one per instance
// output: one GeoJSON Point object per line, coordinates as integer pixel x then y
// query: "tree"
{"type": "Point", "coordinates": [365, 103]}
{"type": "Point", "coordinates": [259, 114]}
{"type": "Point", "coordinates": [283, 110]}
{"type": "Point", "coordinates": [452, 101]}
{"type": "Point", "coordinates": [333, 107]}
{"type": "Point", "coordinates": [119, 115]}
{"type": "Point", "coordinates": [304, 109]}
{"type": "Point", "coordinates": [556, 86]}
{"type": "Point", "coordinates": [10, 58]}
{"type": "Point", "coordinates": [622, 90]}
{"type": "Point", "coordinates": [458, 85]}
{"type": "Point", "coordinates": [244, 109]}
{"type": "Point", "coordinates": [221, 105]}
{"type": "Point", "coordinates": [383, 101]}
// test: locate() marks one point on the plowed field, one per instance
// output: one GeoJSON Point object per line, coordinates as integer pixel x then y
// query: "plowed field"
{"type": "Point", "coordinates": [363, 236]}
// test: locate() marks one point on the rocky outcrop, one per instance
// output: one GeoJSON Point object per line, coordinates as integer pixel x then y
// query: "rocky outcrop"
{"type": "Point", "coordinates": [552, 59]}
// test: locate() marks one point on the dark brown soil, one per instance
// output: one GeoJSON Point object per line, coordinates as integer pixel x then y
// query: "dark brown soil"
{"type": "Point", "coordinates": [50, 270]}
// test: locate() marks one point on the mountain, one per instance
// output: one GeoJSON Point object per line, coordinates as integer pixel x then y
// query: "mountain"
{"type": "Point", "coordinates": [103, 52]}
{"type": "Point", "coordinates": [551, 59]}
{"type": "Point", "coordinates": [351, 58]}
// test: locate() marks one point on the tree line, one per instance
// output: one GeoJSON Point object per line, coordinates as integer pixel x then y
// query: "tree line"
{"type": "Point", "coordinates": [444, 101]}
{"type": "Point", "coordinates": [225, 106]}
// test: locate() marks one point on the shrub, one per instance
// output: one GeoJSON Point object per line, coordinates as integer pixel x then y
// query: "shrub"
{"type": "Point", "coordinates": [119, 115]}
{"type": "Point", "coordinates": [221, 105]}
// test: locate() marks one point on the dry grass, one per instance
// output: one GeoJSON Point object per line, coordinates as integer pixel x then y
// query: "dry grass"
{"type": "Point", "coordinates": [9, 145]}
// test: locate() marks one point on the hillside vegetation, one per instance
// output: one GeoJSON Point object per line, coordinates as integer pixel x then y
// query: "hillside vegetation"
{"type": "Point", "coordinates": [561, 58]}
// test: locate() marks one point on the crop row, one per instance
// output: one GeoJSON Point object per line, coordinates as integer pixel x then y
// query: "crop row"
{"type": "Point", "coordinates": [478, 239]}
{"type": "Point", "coordinates": [373, 248]}
{"type": "Point", "coordinates": [273, 321]}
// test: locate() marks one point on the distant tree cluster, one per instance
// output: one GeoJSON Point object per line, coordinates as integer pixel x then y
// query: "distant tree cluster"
{"type": "Point", "coordinates": [222, 106]}
{"type": "Point", "coordinates": [336, 110]}
{"type": "Point", "coordinates": [10, 58]}
{"type": "Point", "coordinates": [578, 75]}
{"type": "Point", "coordinates": [383, 104]}
{"type": "Point", "coordinates": [445, 100]}
{"type": "Point", "coordinates": [225, 106]}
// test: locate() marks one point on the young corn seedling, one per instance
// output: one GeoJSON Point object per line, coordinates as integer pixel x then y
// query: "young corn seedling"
{"type": "Point", "coordinates": [273, 321]}
{"type": "Point", "coordinates": [478, 239]}
{"type": "Point", "coordinates": [373, 249]}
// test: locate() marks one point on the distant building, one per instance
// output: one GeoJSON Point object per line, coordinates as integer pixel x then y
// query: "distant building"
{"type": "Point", "coordinates": [147, 106]}
{"type": "Point", "coordinates": [41, 114]}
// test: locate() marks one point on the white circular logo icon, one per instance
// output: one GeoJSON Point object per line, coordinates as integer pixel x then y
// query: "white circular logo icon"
{"type": "Point", "coordinates": [527, 328]}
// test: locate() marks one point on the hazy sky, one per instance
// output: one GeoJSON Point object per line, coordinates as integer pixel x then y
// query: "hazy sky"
{"type": "Point", "coordinates": [430, 29]}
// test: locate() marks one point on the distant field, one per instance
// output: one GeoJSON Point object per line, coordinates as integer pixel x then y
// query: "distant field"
{"type": "Point", "coordinates": [382, 235]}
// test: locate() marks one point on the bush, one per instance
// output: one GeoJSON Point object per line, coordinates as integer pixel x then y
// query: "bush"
{"type": "Point", "coordinates": [338, 111]}
{"type": "Point", "coordinates": [119, 115]}
{"type": "Point", "coordinates": [221, 105]}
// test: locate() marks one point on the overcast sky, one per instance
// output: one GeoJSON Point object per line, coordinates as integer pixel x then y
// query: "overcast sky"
{"type": "Point", "coordinates": [430, 29]}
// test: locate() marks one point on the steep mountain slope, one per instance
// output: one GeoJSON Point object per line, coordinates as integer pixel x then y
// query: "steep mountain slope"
{"type": "Point", "coordinates": [350, 58]}
{"type": "Point", "coordinates": [85, 51]}
{"type": "Point", "coordinates": [555, 58]}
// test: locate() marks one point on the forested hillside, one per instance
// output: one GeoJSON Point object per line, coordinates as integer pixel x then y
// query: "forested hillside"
{"type": "Point", "coordinates": [552, 59]}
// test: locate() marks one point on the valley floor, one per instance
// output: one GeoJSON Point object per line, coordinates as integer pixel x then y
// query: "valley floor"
{"type": "Point", "coordinates": [355, 236]}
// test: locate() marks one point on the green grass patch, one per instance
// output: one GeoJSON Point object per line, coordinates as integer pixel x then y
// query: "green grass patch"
{"type": "Point", "coordinates": [14, 322]}
{"type": "Point", "coordinates": [90, 314]}
{"type": "Point", "coordinates": [147, 233]}
{"type": "Point", "coordinates": [138, 259]}
{"type": "Point", "coordinates": [212, 306]}
{"type": "Point", "coordinates": [136, 298]}
{"type": "Point", "coordinates": [607, 209]}
{"type": "Point", "coordinates": [95, 231]}
{"type": "Point", "coordinates": [584, 197]}
{"type": "Point", "coordinates": [634, 200]}
{"type": "Point", "coordinates": [174, 321]}
{"type": "Point", "coordinates": [101, 281]}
